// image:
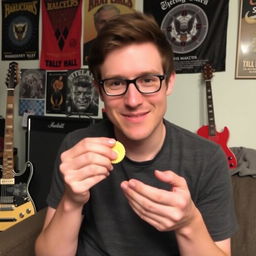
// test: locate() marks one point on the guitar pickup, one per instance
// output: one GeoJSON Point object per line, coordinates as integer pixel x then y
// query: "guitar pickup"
{"type": "Point", "coordinates": [7, 207]}
{"type": "Point", "coordinates": [8, 219]}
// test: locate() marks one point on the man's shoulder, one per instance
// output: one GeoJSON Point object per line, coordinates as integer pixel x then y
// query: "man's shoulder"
{"type": "Point", "coordinates": [186, 137]}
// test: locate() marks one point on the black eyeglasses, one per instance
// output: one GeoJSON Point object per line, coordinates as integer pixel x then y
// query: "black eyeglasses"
{"type": "Point", "coordinates": [146, 84]}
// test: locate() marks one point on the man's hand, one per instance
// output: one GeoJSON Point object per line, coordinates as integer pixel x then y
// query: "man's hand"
{"type": "Point", "coordinates": [165, 210]}
{"type": "Point", "coordinates": [84, 165]}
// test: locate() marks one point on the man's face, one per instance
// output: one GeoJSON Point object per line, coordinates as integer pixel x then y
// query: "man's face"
{"type": "Point", "coordinates": [81, 97]}
{"type": "Point", "coordinates": [103, 17]}
{"type": "Point", "coordinates": [136, 116]}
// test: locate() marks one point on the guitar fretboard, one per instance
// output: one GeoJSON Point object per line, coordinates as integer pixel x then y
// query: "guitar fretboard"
{"type": "Point", "coordinates": [8, 163]}
{"type": "Point", "coordinates": [210, 110]}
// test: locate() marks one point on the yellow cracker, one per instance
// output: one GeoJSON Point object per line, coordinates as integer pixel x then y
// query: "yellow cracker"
{"type": "Point", "coordinates": [120, 150]}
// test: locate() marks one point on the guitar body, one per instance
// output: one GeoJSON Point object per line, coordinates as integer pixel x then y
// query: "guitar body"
{"type": "Point", "coordinates": [15, 201]}
{"type": "Point", "coordinates": [209, 131]}
{"type": "Point", "coordinates": [220, 138]}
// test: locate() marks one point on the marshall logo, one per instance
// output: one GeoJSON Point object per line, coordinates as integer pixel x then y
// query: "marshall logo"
{"type": "Point", "coordinates": [58, 125]}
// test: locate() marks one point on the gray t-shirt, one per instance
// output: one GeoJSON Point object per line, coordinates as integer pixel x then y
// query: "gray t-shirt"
{"type": "Point", "coordinates": [111, 227]}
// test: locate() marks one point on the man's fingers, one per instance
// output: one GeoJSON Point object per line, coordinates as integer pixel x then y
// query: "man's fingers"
{"type": "Point", "coordinates": [171, 178]}
{"type": "Point", "coordinates": [100, 145]}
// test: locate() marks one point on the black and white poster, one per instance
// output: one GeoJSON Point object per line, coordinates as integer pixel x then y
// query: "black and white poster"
{"type": "Point", "coordinates": [197, 31]}
{"type": "Point", "coordinates": [82, 98]}
{"type": "Point", "coordinates": [20, 29]}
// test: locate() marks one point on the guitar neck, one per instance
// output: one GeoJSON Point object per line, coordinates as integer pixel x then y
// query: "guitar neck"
{"type": "Point", "coordinates": [8, 158]}
{"type": "Point", "coordinates": [210, 110]}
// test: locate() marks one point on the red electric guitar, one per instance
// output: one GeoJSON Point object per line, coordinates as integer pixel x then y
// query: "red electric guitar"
{"type": "Point", "coordinates": [209, 131]}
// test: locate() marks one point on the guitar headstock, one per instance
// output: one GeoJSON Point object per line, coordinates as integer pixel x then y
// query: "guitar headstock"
{"type": "Point", "coordinates": [13, 75]}
{"type": "Point", "coordinates": [207, 72]}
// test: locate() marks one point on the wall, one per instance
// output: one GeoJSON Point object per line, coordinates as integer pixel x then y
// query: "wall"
{"type": "Point", "coordinates": [234, 100]}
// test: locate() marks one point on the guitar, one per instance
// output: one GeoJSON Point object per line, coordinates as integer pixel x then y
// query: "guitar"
{"type": "Point", "coordinates": [209, 131]}
{"type": "Point", "coordinates": [15, 202]}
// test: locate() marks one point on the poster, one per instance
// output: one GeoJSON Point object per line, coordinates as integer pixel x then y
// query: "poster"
{"type": "Point", "coordinates": [82, 97]}
{"type": "Point", "coordinates": [246, 46]}
{"type": "Point", "coordinates": [196, 30]}
{"type": "Point", "coordinates": [97, 13]}
{"type": "Point", "coordinates": [20, 29]}
{"type": "Point", "coordinates": [32, 92]}
{"type": "Point", "coordinates": [61, 35]}
{"type": "Point", "coordinates": [56, 91]}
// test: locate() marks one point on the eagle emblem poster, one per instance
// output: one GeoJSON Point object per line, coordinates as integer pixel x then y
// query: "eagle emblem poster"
{"type": "Point", "coordinates": [197, 30]}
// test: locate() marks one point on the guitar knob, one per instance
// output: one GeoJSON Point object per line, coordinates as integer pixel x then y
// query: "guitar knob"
{"type": "Point", "coordinates": [231, 165]}
{"type": "Point", "coordinates": [28, 211]}
{"type": "Point", "coordinates": [21, 215]}
{"type": "Point", "coordinates": [230, 158]}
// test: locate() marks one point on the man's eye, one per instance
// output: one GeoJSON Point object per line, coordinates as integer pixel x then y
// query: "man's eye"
{"type": "Point", "coordinates": [116, 83]}
{"type": "Point", "coordinates": [148, 79]}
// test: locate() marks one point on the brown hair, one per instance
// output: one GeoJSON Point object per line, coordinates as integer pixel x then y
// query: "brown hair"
{"type": "Point", "coordinates": [126, 29]}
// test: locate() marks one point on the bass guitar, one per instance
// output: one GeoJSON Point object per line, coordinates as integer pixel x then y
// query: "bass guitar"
{"type": "Point", "coordinates": [209, 131]}
{"type": "Point", "coordinates": [16, 203]}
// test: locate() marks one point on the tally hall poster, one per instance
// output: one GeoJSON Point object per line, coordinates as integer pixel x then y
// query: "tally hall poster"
{"type": "Point", "coordinates": [246, 49]}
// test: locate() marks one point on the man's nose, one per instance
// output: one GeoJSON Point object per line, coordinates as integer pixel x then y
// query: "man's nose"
{"type": "Point", "coordinates": [133, 97]}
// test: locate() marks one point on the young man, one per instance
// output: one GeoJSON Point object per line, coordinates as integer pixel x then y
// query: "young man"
{"type": "Point", "coordinates": [171, 195]}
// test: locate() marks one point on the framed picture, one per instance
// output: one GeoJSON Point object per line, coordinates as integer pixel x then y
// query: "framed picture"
{"type": "Point", "coordinates": [82, 98]}
{"type": "Point", "coordinates": [246, 46]}
{"type": "Point", "coordinates": [56, 90]}
{"type": "Point", "coordinates": [96, 14]}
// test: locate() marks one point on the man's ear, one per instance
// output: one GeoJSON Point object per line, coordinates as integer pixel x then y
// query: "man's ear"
{"type": "Point", "coordinates": [170, 84]}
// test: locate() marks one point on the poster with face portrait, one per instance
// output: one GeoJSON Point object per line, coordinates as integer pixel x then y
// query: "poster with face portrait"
{"type": "Point", "coordinates": [96, 15]}
{"type": "Point", "coordinates": [246, 48]}
{"type": "Point", "coordinates": [82, 98]}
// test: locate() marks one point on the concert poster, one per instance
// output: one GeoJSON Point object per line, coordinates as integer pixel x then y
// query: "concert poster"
{"type": "Point", "coordinates": [246, 46]}
{"type": "Point", "coordinates": [56, 90]}
{"type": "Point", "coordinates": [82, 97]}
{"type": "Point", "coordinates": [92, 22]}
{"type": "Point", "coordinates": [196, 30]}
{"type": "Point", "coordinates": [20, 29]}
{"type": "Point", "coordinates": [61, 35]}
{"type": "Point", "coordinates": [32, 92]}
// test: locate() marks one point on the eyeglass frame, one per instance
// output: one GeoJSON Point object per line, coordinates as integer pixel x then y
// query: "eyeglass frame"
{"type": "Point", "coordinates": [132, 81]}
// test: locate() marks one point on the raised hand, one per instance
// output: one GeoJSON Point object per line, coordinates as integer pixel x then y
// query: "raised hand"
{"type": "Point", "coordinates": [165, 210]}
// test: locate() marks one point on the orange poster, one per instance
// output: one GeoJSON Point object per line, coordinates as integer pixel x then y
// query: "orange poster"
{"type": "Point", "coordinates": [96, 15]}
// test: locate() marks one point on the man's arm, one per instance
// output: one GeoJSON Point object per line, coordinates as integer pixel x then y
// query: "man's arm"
{"type": "Point", "coordinates": [60, 232]}
{"type": "Point", "coordinates": [174, 210]}
{"type": "Point", "coordinates": [82, 167]}
{"type": "Point", "coordinates": [194, 240]}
